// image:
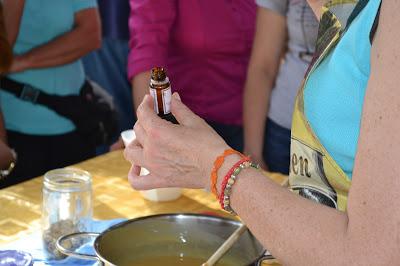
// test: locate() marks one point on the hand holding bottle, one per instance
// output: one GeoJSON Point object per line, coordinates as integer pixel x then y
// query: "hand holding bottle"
{"type": "Point", "coordinates": [176, 155]}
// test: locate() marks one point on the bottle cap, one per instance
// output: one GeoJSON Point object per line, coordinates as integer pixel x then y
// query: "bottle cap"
{"type": "Point", "coordinates": [158, 74]}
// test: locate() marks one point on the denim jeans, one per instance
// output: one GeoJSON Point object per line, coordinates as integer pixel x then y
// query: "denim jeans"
{"type": "Point", "coordinates": [39, 154]}
{"type": "Point", "coordinates": [232, 134]}
{"type": "Point", "coordinates": [276, 150]}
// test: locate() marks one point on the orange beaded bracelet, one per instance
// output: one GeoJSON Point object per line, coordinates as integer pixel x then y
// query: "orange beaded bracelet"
{"type": "Point", "coordinates": [217, 165]}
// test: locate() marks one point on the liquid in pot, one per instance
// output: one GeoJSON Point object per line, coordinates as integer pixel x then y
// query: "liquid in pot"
{"type": "Point", "coordinates": [171, 261]}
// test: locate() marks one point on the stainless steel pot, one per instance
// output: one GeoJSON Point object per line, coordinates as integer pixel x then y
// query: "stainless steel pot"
{"type": "Point", "coordinates": [159, 236]}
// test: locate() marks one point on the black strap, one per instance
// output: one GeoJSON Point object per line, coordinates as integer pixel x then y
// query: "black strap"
{"type": "Point", "coordinates": [28, 93]}
{"type": "Point", "coordinates": [357, 10]}
{"type": "Point", "coordinates": [23, 91]}
{"type": "Point", "coordinates": [375, 25]}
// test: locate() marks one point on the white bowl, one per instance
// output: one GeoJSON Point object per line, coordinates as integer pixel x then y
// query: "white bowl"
{"type": "Point", "coordinates": [160, 194]}
{"type": "Point", "coordinates": [128, 136]}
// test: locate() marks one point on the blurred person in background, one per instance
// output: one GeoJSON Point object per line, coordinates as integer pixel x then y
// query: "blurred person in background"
{"type": "Point", "coordinates": [288, 28]}
{"type": "Point", "coordinates": [205, 46]}
{"type": "Point", "coordinates": [48, 40]}
{"type": "Point", "coordinates": [107, 66]}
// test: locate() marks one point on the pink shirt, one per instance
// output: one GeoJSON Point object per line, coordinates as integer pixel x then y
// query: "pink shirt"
{"type": "Point", "coordinates": [205, 46]}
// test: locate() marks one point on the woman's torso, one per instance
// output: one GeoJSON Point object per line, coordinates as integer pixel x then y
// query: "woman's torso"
{"type": "Point", "coordinates": [209, 52]}
{"type": "Point", "coordinates": [43, 21]}
{"type": "Point", "coordinates": [334, 93]}
{"type": "Point", "coordinates": [302, 29]}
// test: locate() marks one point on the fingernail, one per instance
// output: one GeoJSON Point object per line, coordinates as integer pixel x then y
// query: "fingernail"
{"type": "Point", "coordinates": [176, 96]}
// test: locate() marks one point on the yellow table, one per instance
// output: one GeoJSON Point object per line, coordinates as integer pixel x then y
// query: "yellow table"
{"type": "Point", "coordinates": [20, 205]}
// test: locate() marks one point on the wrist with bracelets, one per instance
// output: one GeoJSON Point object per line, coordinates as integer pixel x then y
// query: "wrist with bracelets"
{"type": "Point", "coordinates": [230, 179]}
{"type": "Point", "coordinates": [217, 165]}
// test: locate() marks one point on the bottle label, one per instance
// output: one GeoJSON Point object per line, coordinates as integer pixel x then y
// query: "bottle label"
{"type": "Point", "coordinates": [165, 96]}
{"type": "Point", "coordinates": [153, 94]}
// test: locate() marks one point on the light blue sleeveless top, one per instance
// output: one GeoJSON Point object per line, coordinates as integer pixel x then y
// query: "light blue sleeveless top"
{"type": "Point", "coordinates": [41, 22]}
{"type": "Point", "coordinates": [334, 93]}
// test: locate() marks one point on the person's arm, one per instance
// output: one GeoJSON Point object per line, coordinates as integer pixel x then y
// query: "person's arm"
{"type": "Point", "coordinates": [296, 230]}
{"type": "Point", "coordinates": [6, 156]}
{"type": "Point", "coordinates": [368, 233]}
{"type": "Point", "coordinates": [82, 39]}
{"type": "Point", "coordinates": [150, 31]}
{"type": "Point", "coordinates": [140, 85]}
{"type": "Point", "coordinates": [269, 44]}
{"type": "Point", "coordinates": [5, 47]}
{"type": "Point", "coordinates": [12, 12]}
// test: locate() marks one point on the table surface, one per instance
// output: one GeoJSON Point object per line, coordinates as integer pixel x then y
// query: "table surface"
{"type": "Point", "coordinates": [112, 198]}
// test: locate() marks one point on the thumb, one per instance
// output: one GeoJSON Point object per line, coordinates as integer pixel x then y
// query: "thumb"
{"type": "Point", "coordinates": [146, 182]}
{"type": "Point", "coordinates": [181, 112]}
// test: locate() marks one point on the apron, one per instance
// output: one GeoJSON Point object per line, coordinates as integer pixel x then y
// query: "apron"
{"type": "Point", "coordinates": [313, 173]}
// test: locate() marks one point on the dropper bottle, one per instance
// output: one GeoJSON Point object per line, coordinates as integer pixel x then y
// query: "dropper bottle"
{"type": "Point", "coordinates": [160, 89]}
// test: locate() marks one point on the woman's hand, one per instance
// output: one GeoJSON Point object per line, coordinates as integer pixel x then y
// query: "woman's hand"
{"type": "Point", "coordinates": [6, 156]}
{"type": "Point", "coordinates": [176, 155]}
{"type": "Point", "coordinates": [19, 64]}
{"type": "Point", "coordinates": [83, 38]}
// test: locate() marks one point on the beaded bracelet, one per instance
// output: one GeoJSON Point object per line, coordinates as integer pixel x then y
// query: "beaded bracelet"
{"type": "Point", "coordinates": [217, 165]}
{"type": "Point", "coordinates": [228, 176]}
{"type": "Point", "coordinates": [226, 188]}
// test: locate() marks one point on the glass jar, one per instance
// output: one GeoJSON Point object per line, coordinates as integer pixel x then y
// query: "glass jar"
{"type": "Point", "coordinates": [67, 207]}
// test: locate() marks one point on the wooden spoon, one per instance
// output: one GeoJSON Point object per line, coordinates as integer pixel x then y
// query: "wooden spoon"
{"type": "Point", "coordinates": [225, 246]}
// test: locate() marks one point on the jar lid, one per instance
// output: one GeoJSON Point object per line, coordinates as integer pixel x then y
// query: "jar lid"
{"type": "Point", "coordinates": [15, 258]}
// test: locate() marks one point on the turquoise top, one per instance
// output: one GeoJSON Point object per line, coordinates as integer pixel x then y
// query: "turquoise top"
{"type": "Point", "coordinates": [334, 93]}
{"type": "Point", "coordinates": [42, 21]}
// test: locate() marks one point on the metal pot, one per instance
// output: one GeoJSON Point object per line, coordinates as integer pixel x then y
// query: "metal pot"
{"type": "Point", "coordinates": [180, 236]}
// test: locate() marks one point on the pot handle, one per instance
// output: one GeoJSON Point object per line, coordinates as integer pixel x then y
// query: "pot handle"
{"type": "Point", "coordinates": [68, 252]}
{"type": "Point", "coordinates": [266, 257]}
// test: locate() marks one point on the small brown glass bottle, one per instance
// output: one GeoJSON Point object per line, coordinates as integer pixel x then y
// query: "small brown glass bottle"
{"type": "Point", "coordinates": [160, 89]}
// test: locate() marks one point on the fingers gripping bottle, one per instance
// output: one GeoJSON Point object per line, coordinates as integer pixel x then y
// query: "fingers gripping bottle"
{"type": "Point", "coordinates": [160, 90]}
